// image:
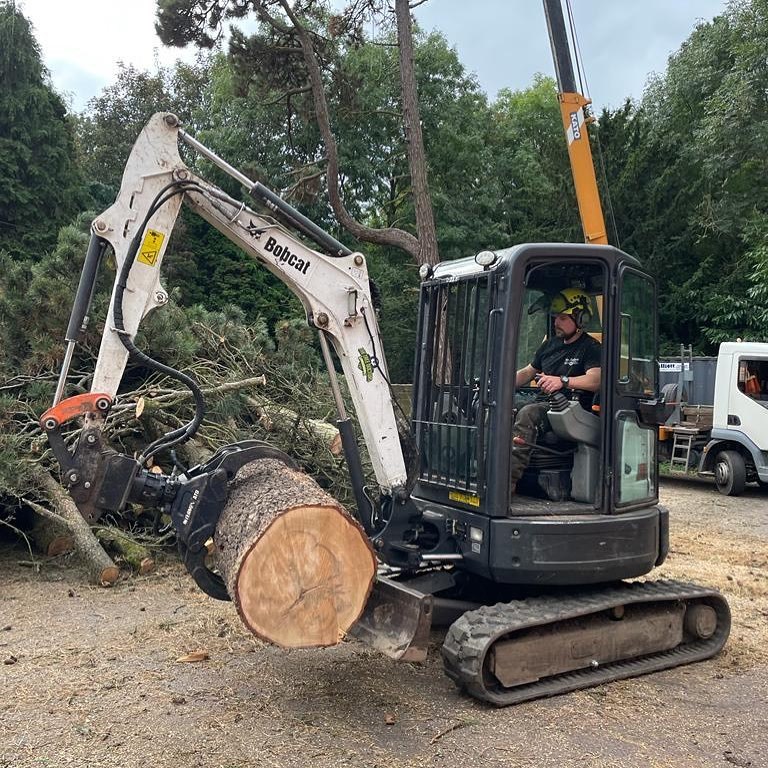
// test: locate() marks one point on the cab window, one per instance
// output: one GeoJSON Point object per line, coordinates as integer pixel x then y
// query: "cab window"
{"type": "Point", "coordinates": [637, 352]}
{"type": "Point", "coordinates": [753, 379]}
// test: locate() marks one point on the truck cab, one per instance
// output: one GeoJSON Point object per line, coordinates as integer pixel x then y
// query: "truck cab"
{"type": "Point", "coordinates": [737, 450]}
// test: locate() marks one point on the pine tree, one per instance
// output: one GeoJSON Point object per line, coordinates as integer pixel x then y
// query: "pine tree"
{"type": "Point", "coordinates": [40, 185]}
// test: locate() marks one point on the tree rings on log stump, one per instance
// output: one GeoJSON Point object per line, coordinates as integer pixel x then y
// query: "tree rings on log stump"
{"type": "Point", "coordinates": [298, 567]}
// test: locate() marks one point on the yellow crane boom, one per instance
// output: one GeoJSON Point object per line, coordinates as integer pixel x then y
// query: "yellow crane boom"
{"type": "Point", "coordinates": [572, 105]}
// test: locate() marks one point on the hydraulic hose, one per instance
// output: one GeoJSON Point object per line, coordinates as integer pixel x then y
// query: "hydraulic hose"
{"type": "Point", "coordinates": [188, 430]}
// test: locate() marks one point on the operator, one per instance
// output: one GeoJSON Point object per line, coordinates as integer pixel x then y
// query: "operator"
{"type": "Point", "coordinates": [568, 361]}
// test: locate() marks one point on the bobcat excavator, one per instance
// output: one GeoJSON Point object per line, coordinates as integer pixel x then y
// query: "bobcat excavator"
{"type": "Point", "coordinates": [531, 584]}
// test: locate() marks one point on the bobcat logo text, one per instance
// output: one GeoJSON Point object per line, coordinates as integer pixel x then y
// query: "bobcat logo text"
{"type": "Point", "coordinates": [285, 256]}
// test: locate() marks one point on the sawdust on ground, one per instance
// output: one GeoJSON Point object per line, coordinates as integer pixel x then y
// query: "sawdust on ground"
{"type": "Point", "coordinates": [90, 677]}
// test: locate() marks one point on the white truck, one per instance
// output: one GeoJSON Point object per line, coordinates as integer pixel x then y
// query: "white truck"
{"type": "Point", "coordinates": [725, 427]}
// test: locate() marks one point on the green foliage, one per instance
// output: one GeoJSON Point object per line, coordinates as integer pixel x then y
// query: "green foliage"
{"type": "Point", "coordinates": [182, 21]}
{"type": "Point", "coordinates": [537, 201]}
{"type": "Point", "coordinates": [686, 170]}
{"type": "Point", "coordinates": [113, 120]}
{"type": "Point", "coordinates": [396, 279]}
{"type": "Point", "coordinates": [203, 267]}
{"type": "Point", "coordinates": [457, 138]}
{"type": "Point", "coordinates": [756, 237]}
{"type": "Point", "coordinates": [40, 184]}
{"type": "Point", "coordinates": [42, 292]}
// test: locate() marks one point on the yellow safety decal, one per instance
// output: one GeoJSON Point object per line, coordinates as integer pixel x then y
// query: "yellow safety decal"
{"type": "Point", "coordinates": [364, 364]}
{"type": "Point", "coordinates": [150, 248]}
{"type": "Point", "coordinates": [465, 498]}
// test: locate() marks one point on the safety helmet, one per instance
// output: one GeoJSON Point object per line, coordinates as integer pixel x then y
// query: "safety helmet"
{"type": "Point", "coordinates": [573, 302]}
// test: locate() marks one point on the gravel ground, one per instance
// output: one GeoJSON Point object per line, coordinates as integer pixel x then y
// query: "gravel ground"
{"type": "Point", "coordinates": [90, 677]}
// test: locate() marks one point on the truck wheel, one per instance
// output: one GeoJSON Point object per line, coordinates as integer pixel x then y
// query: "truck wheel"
{"type": "Point", "coordinates": [730, 473]}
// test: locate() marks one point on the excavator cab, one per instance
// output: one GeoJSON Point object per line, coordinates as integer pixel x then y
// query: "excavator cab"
{"type": "Point", "coordinates": [466, 548]}
{"type": "Point", "coordinates": [588, 509]}
{"type": "Point", "coordinates": [565, 462]}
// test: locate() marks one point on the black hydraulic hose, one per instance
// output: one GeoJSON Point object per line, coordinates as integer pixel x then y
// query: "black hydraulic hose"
{"type": "Point", "coordinates": [356, 475]}
{"type": "Point", "coordinates": [188, 430]}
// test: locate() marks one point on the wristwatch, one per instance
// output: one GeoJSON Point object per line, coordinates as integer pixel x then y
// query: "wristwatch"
{"type": "Point", "coordinates": [565, 380]}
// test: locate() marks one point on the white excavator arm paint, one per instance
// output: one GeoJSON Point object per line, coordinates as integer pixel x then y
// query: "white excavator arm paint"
{"type": "Point", "coordinates": [334, 290]}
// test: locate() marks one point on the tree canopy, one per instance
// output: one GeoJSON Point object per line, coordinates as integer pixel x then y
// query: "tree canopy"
{"type": "Point", "coordinates": [686, 170]}
{"type": "Point", "coordinates": [41, 187]}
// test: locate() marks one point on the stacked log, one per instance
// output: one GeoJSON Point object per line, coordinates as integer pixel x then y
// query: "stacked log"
{"type": "Point", "coordinates": [298, 567]}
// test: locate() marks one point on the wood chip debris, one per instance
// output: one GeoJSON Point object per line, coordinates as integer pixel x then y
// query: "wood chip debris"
{"type": "Point", "coordinates": [193, 656]}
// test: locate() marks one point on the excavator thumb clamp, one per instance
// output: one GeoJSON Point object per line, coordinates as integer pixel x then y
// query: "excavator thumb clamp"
{"type": "Point", "coordinates": [101, 480]}
{"type": "Point", "coordinates": [200, 500]}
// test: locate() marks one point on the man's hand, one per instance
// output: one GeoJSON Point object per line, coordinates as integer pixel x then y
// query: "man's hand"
{"type": "Point", "coordinates": [550, 384]}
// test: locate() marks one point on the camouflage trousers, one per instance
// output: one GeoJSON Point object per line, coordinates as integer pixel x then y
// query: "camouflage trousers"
{"type": "Point", "coordinates": [531, 422]}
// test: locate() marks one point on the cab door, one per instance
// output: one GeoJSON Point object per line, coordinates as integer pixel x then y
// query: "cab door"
{"type": "Point", "coordinates": [634, 475]}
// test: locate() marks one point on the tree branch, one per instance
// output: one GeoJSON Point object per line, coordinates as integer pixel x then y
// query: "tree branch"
{"type": "Point", "coordinates": [287, 95]}
{"type": "Point", "coordinates": [390, 236]}
{"type": "Point", "coordinates": [100, 567]}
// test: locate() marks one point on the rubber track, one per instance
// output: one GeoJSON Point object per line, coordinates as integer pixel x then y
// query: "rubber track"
{"type": "Point", "coordinates": [472, 635]}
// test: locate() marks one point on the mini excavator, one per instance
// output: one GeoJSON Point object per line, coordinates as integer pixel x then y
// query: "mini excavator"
{"type": "Point", "coordinates": [532, 584]}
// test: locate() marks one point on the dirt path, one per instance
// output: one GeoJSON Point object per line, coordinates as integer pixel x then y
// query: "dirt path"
{"type": "Point", "coordinates": [95, 679]}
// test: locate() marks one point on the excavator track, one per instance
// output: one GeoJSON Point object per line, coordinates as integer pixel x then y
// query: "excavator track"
{"type": "Point", "coordinates": [513, 637]}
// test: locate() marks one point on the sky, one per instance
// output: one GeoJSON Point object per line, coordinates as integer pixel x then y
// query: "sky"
{"type": "Point", "coordinates": [504, 42]}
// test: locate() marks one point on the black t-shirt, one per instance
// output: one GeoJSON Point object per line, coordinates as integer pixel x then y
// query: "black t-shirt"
{"type": "Point", "coordinates": [556, 358]}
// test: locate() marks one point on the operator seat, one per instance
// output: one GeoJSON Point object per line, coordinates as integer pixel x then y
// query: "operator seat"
{"type": "Point", "coordinates": [570, 421]}
{"type": "Point", "coordinates": [565, 463]}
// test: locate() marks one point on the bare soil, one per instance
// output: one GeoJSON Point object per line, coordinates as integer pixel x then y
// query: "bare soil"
{"type": "Point", "coordinates": [91, 677]}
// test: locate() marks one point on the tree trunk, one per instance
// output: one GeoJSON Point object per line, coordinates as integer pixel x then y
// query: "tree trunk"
{"type": "Point", "coordinates": [298, 568]}
{"type": "Point", "coordinates": [131, 551]}
{"type": "Point", "coordinates": [314, 430]}
{"type": "Point", "coordinates": [391, 236]}
{"type": "Point", "coordinates": [101, 569]}
{"type": "Point", "coordinates": [51, 537]}
{"type": "Point", "coordinates": [414, 139]}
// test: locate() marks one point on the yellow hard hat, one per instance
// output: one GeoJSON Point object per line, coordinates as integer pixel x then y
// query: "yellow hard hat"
{"type": "Point", "coordinates": [574, 302]}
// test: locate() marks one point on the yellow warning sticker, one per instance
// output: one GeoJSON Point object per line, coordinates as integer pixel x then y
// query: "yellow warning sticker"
{"type": "Point", "coordinates": [150, 248]}
{"type": "Point", "coordinates": [465, 498]}
{"type": "Point", "coordinates": [364, 364]}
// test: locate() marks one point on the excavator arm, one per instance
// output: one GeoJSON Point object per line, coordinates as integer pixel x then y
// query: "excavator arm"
{"type": "Point", "coordinates": [331, 283]}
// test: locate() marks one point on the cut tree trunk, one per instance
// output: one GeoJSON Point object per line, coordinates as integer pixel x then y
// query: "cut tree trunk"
{"type": "Point", "coordinates": [302, 428]}
{"type": "Point", "coordinates": [51, 537]}
{"type": "Point", "coordinates": [297, 566]}
{"type": "Point", "coordinates": [131, 551]}
{"type": "Point", "coordinates": [101, 569]}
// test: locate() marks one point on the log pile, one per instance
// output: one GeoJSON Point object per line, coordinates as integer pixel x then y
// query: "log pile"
{"type": "Point", "coordinates": [298, 567]}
